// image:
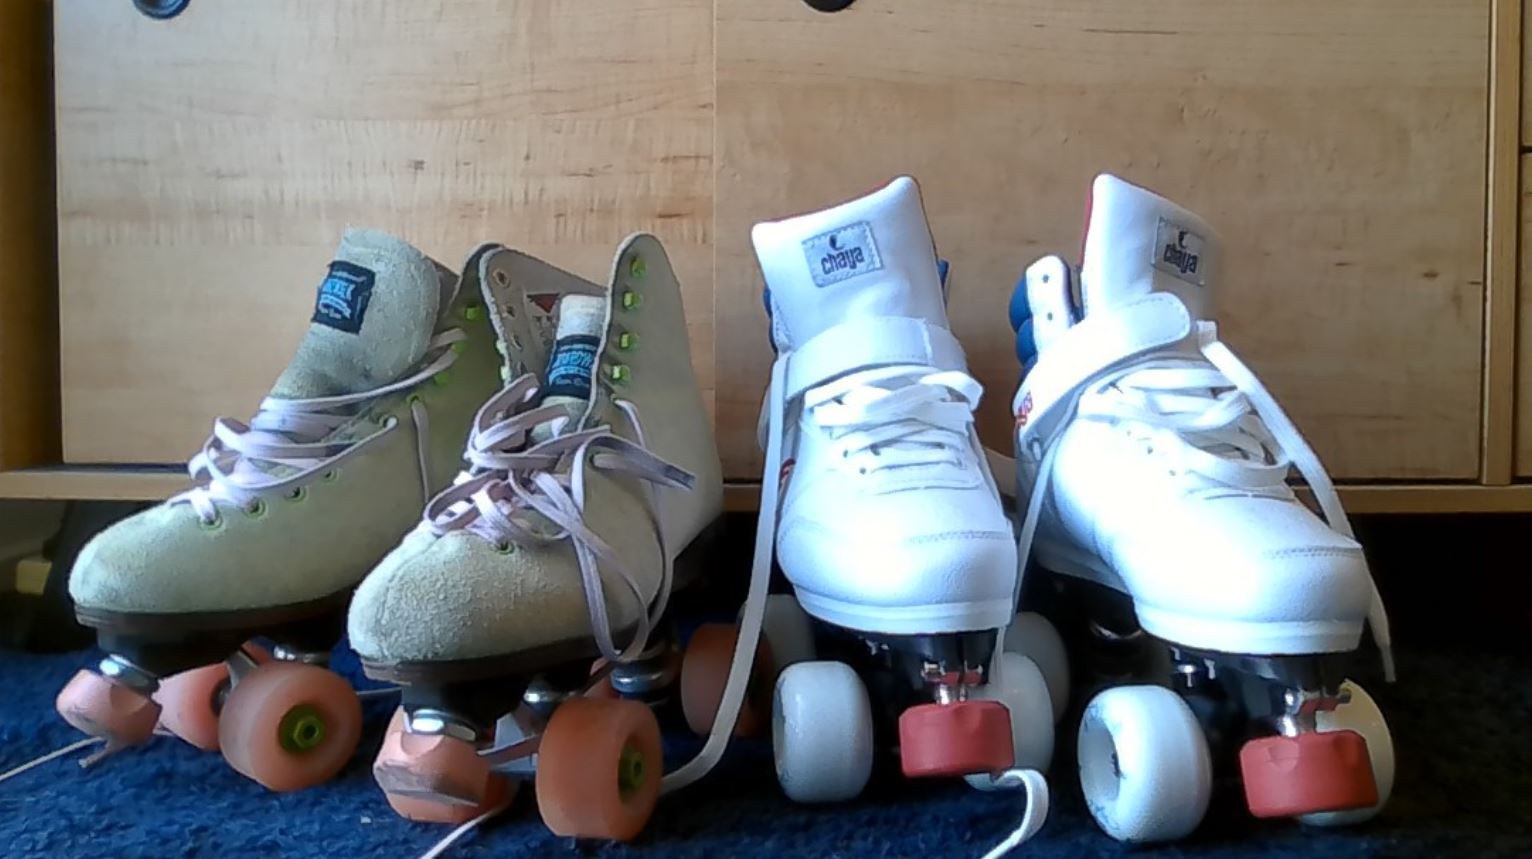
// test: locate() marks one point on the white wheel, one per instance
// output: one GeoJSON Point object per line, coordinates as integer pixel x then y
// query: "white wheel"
{"type": "Point", "coordinates": [1031, 635]}
{"type": "Point", "coordinates": [1144, 764]}
{"type": "Point", "coordinates": [1362, 715]}
{"type": "Point", "coordinates": [821, 732]}
{"type": "Point", "coordinates": [787, 630]}
{"type": "Point", "coordinates": [1018, 684]}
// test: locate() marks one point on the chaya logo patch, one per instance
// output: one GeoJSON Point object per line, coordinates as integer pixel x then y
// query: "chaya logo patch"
{"type": "Point", "coordinates": [343, 296]}
{"type": "Point", "coordinates": [842, 253]}
{"type": "Point", "coordinates": [1179, 253]}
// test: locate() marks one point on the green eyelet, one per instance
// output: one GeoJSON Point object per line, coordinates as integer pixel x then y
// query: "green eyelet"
{"type": "Point", "coordinates": [330, 476]}
{"type": "Point", "coordinates": [256, 510]}
{"type": "Point", "coordinates": [214, 525]}
{"type": "Point", "coordinates": [299, 493]}
{"type": "Point", "coordinates": [626, 341]}
{"type": "Point", "coordinates": [441, 379]}
{"type": "Point", "coordinates": [637, 268]}
{"type": "Point", "coordinates": [412, 399]}
{"type": "Point", "coordinates": [505, 548]}
{"type": "Point", "coordinates": [620, 373]}
{"type": "Point", "coordinates": [459, 347]}
{"type": "Point", "coordinates": [631, 299]}
{"type": "Point", "coordinates": [473, 313]}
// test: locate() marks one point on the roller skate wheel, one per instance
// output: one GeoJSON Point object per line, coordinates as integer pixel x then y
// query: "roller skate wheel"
{"type": "Point", "coordinates": [436, 779]}
{"type": "Point", "coordinates": [288, 726]}
{"type": "Point", "coordinates": [1034, 637]}
{"type": "Point", "coordinates": [103, 708]}
{"type": "Point", "coordinates": [955, 739]}
{"type": "Point", "coordinates": [598, 769]}
{"type": "Point", "coordinates": [1360, 714]}
{"type": "Point", "coordinates": [788, 630]}
{"type": "Point", "coordinates": [1144, 764]}
{"type": "Point", "coordinates": [189, 700]}
{"type": "Point", "coordinates": [821, 732]}
{"type": "Point", "coordinates": [1018, 684]}
{"type": "Point", "coordinates": [705, 671]}
{"type": "Point", "coordinates": [1307, 773]}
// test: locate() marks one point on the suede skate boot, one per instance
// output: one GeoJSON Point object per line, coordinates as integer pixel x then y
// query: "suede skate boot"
{"type": "Point", "coordinates": [884, 516]}
{"type": "Point", "coordinates": [289, 512]}
{"type": "Point", "coordinates": [1153, 464]}
{"type": "Point", "coordinates": [588, 481]}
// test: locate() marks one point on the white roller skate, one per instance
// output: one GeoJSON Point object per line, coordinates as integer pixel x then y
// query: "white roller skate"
{"type": "Point", "coordinates": [1153, 464]}
{"type": "Point", "coordinates": [885, 518]}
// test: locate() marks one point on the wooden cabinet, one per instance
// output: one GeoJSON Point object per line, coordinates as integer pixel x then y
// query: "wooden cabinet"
{"type": "Point", "coordinates": [1338, 147]}
{"type": "Point", "coordinates": [1360, 159]}
{"type": "Point", "coordinates": [208, 163]}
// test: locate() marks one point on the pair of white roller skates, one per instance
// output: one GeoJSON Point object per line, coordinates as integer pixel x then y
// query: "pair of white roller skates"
{"type": "Point", "coordinates": [1150, 475]}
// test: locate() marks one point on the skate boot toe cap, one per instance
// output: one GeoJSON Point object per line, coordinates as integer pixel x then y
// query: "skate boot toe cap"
{"type": "Point", "coordinates": [944, 574]}
{"type": "Point", "coordinates": [458, 597]}
{"type": "Point", "coordinates": [165, 560]}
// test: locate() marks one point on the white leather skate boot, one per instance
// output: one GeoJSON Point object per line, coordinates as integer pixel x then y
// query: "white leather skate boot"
{"type": "Point", "coordinates": [884, 515]}
{"type": "Point", "coordinates": [289, 513]}
{"type": "Point", "coordinates": [588, 480]}
{"type": "Point", "coordinates": [1154, 463]}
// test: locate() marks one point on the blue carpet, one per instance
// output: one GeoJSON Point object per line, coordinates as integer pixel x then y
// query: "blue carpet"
{"type": "Point", "coordinates": [1461, 722]}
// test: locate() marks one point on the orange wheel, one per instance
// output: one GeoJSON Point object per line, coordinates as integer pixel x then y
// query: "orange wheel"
{"type": "Point", "coordinates": [289, 726]}
{"type": "Point", "coordinates": [189, 700]}
{"type": "Point", "coordinates": [403, 770]}
{"type": "Point", "coordinates": [598, 769]}
{"type": "Point", "coordinates": [107, 709]}
{"type": "Point", "coordinates": [705, 671]}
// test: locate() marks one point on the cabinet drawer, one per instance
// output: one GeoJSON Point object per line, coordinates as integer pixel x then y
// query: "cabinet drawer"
{"type": "Point", "coordinates": [1338, 147]}
{"type": "Point", "coordinates": [207, 165]}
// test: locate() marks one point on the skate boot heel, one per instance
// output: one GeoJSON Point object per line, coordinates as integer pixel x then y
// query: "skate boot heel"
{"type": "Point", "coordinates": [1307, 773]}
{"type": "Point", "coordinates": [961, 738]}
{"type": "Point", "coordinates": [106, 708]}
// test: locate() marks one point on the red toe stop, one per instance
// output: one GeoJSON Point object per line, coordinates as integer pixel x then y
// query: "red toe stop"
{"type": "Point", "coordinates": [955, 739]}
{"type": "Point", "coordinates": [1289, 776]}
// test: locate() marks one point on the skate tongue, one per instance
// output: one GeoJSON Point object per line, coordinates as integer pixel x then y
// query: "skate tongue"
{"type": "Point", "coordinates": [374, 315]}
{"type": "Point", "coordinates": [1137, 243]}
{"type": "Point", "coordinates": [573, 366]}
{"type": "Point", "coordinates": [872, 256]}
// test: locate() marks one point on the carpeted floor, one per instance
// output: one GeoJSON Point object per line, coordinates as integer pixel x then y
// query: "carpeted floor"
{"type": "Point", "coordinates": [1460, 720]}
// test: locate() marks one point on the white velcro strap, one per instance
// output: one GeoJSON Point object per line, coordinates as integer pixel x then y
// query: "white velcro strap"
{"type": "Point", "coordinates": [1092, 347]}
{"type": "Point", "coordinates": [871, 341]}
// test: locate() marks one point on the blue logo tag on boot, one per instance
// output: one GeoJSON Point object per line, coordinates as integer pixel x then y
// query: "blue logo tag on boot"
{"type": "Point", "coordinates": [343, 296]}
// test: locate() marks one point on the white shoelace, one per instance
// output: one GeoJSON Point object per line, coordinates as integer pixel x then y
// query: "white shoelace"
{"type": "Point", "coordinates": [509, 480]}
{"type": "Point", "coordinates": [893, 417]}
{"type": "Point", "coordinates": [1218, 421]}
{"type": "Point", "coordinates": [288, 443]}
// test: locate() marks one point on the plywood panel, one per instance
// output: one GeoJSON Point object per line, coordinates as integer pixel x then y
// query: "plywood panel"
{"type": "Point", "coordinates": [1524, 331]}
{"type": "Point", "coordinates": [28, 307]}
{"type": "Point", "coordinates": [1338, 147]}
{"type": "Point", "coordinates": [207, 165]}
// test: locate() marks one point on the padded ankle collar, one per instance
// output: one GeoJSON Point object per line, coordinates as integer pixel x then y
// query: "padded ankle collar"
{"type": "Point", "coordinates": [1090, 348]}
{"type": "Point", "coordinates": [871, 341]}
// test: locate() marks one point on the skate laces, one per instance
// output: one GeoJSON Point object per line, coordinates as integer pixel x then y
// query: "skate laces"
{"type": "Point", "coordinates": [290, 442]}
{"type": "Point", "coordinates": [896, 417]}
{"type": "Point", "coordinates": [524, 495]}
